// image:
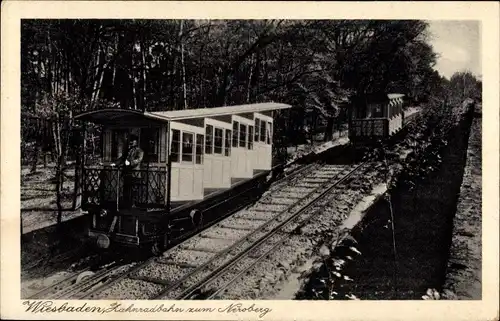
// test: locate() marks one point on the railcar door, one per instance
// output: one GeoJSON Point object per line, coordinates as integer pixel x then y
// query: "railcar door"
{"type": "Point", "coordinates": [263, 141]}
{"type": "Point", "coordinates": [217, 172]}
{"type": "Point", "coordinates": [242, 148]}
{"type": "Point", "coordinates": [187, 162]}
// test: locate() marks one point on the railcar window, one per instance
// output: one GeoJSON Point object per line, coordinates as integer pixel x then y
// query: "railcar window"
{"type": "Point", "coordinates": [218, 141]}
{"type": "Point", "coordinates": [269, 132]}
{"type": "Point", "coordinates": [187, 147]}
{"type": "Point", "coordinates": [361, 111]}
{"type": "Point", "coordinates": [250, 137]}
{"type": "Point", "coordinates": [209, 136]}
{"type": "Point", "coordinates": [199, 149]}
{"type": "Point", "coordinates": [118, 143]}
{"type": "Point", "coordinates": [243, 135]}
{"type": "Point", "coordinates": [105, 142]}
{"type": "Point", "coordinates": [150, 138]}
{"type": "Point", "coordinates": [227, 146]}
{"type": "Point", "coordinates": [263, 131]}
{"type": "Point", "coordinates": [257, 129]}
{"type": "Point", "coordinates": [377, 110]}
{"type": "Point", "coordinates": [175, 148]}
{"type": "Point", "coordinates": [235, 133]}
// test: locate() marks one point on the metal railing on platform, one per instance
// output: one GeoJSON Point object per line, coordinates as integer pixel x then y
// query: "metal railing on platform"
{"type": "Point", "coordinates": [110, 185]}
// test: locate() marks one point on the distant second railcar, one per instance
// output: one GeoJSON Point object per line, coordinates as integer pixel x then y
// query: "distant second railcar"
{"type": "Point", "coordinates": [375, 117]}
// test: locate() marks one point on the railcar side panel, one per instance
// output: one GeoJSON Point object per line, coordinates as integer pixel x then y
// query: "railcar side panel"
{"type": "Point", "coordinates": [241, 155]}
{"type": "Point", "coordinates": [188, 185]}
{"type": "Point", "coordinates": [395, 124]}
{"type": "Point", "coordinates": [263, 142]}
{"type": "Point", "coordinates": [217, 154]}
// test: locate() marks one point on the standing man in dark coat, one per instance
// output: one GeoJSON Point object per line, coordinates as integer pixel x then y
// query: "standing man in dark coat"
{"type": "Point", "coordinates": [131, 161]}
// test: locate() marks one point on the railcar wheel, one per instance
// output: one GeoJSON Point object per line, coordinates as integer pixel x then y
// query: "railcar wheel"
{"type": "Point", "coordinates": [157, 248]}
{"type": "Point", "coordinates": [84, 275]}
{"type": "Point", "coordinates": [196, 218]}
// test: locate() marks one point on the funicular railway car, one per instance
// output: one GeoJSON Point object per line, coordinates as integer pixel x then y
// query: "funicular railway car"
{"type": "Point", "coordinates": [375, 117]}
{"type": "Point", "coordinates": [192, 159]}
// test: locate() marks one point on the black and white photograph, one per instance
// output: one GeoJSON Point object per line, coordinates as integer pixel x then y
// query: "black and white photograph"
{"type": "Point", "coordinates": [249, 159]}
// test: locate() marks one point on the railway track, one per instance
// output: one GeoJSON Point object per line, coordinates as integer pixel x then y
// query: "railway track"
{"type": "Point", "coordinates": [223, 251]}
{"type": "Point", "coordinates": [78, 283]}
{"type": "Point", "coordinates": [183, 270]}
{"type": "Point", "coordinates": [188, 267]}
{"type": "Point", "coordinates": [214, 286]}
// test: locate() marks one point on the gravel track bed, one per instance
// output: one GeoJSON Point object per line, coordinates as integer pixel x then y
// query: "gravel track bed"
{"type": "Point", "coordinates": [237, 220]}
{"type": "Point", "coordinates": [314, 180]}
{"type": "Point", "coordinates": [198, 277]}
{"type": "Point", "coordinates": [241, 223]}
{"type": "Point", "coordinates": [334, 213]}
{"type": "Point", "coordinates": [226, 233]}
{"type": "Point", "coordinates": [272, 225]}
{"type": "Point", "coordinates": [166, 272]}
{"type": "Point", "coordinates": [260, 250]}
{"type": "Point", "coordinates": [280, 200]}
{"type": "Point", "coordinates": [138, 289]}
{"type": "Point", "coordinates": [207, 244]}
{"type": "Point", "coordinates": [63, 285]}
{"type": "Point", "coordinates": [298, 221]}
{"type": "Point", "coordinates": [246, 243]}
{"type": "Point", "coordinates": [142, 289]}
{"type": "Point", "coordinates": [188, 256]}
{"type": "Point", "coordinates": [172, 295]}
{"type": "Point", "coordinates": [264, 274]}
{"type": "Point", "coordinates": [258, 215]}
{"type": "Point", "coordinates": [267, 207]}
{"type": "Point", "coordinates": [289, 195]}
{"type": "Point", "coordinates": [308, 186]}
{"type": "Point", "coordinates": [323, 177]}
{"type": "Point", "coordinates": [296, 190]}
{"type": "Point", "coordinates": [129, 289]}
{"type": "Point", "coordinates": [327, 173]}
{"type": "Point", "coordinates": [330, 167]}
{"type": "Point", "coordinates": [229, 274]}
{"type": "Point", "coordinates": [111, 276]}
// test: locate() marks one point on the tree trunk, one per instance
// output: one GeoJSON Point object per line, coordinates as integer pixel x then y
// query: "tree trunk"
{"type": "Point", "coordinates": [59, 188]}
{"type": "Point", "coordinates": [144, 77]}
{"type": "Point", "coordinates": [61, 163]}
{"type": "Point", "coordinates": [35, 157]}
{"type": "Point", "coordinates": [250, 77]}
{"type": "Point", "coordinates": [183, 66]}
{"type": "Point", "coordinates": [328, 129]}
{"type": "Point", "coordinates": [314, 127]}
{"type": "Point", "coordinates": [80, 152]}
{"type": "Point", "coordinates": [45, 159]}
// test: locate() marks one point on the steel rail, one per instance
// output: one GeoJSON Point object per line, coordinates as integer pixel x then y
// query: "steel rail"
{"type": "Point", "coordinates": [56, 290]}
{"type": "Point", "coordinates": [263, 241]}
{"type": "Point", "coordinates": [238, 243]}
{"type": "Point", "coordinates": [56, 286]}
{"type": "Point", "coordinates": [294, 175]}
{"type": "Point", "coordinates": [224, 267]}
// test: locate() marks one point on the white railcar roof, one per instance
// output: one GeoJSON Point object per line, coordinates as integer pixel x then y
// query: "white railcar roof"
{"type": "Point", "coordinates": [219, 111]}
{"type": "Point", "coordinates": [105, 115]}
{"type": "Point", "coordinates": [395, 96]}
